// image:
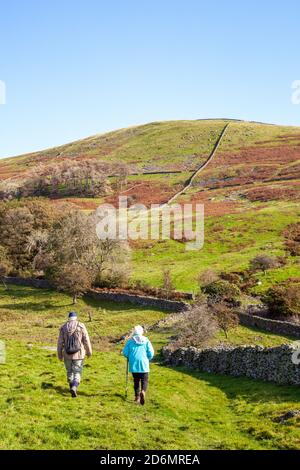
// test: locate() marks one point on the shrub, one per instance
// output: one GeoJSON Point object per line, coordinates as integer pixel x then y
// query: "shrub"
{"type": "Point", "coordinates": [116, 275]}
{"type": "Point", "coordinates": [263, 263]}
{"type": "Point", "coordinates": [221, 291]}
{"type": "Point", "coordinates": [68, 177]}
{"type": "Point", "coordinates": [282, 261]}
{"type": "Point", "coordinates": [206, 277]}
{"type": "Point", "coordinates": [248, 283]}
{"type": "Point", "coordinates": [196, 327]}
{"type": "Point", "coordinates": [233, 278]}
{"type": "Point", "coordinates": [292, 236]}
{"type": "Point", "coordinates": [24, 228]}
{"type": "Point", "coordinates": [283, 300]}
{"type": "Point", "coordinates": [141, 285]}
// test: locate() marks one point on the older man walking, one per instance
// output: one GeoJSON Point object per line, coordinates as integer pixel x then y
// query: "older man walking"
{"type": "Point", "coordinates": [72, 346]}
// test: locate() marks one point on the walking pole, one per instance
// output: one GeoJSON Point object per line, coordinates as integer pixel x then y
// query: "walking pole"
{"type": "Point", "coordinates": [126, 380]}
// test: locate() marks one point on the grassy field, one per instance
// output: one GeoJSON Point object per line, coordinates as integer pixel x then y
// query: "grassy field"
{"type": "Point", "coordinates": [185, 410]}
{"type": "Point", "coordinates": [230, 242]}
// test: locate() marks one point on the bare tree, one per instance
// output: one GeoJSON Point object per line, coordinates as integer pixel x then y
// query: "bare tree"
{"type": "Point", "coordinates": [121, 180]}
{"type": "Point", "coordinates": [196, 327]}
{"type": "Point", "coordinates": [168, 285]}
{"type": "Point", "coordinates": [86, 177]}
{"type": "Point", "coordinates": [226, 318]}
{"type": "Point", "coordinates": [5, 265]}
{"type": "Point", "coordinates": [74, 242]}
{"type": "Point", "coordinates": [73, 279]}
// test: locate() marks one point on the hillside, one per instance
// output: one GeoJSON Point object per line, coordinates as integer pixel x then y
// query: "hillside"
{"type": "Point", "coordinates": [250, 189]}
{"type": "Point", "coordinates": [255, 161]}
{"type": "Point", "coordinates": [173, 145]}
{"type": "Point", "coordinates": [247, 176]}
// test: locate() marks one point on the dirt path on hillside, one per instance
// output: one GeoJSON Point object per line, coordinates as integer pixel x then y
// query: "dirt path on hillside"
{"type": "Point", "coordinates": [189, 182]}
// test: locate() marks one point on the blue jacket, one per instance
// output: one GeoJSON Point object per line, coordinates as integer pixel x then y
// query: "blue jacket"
{"type": "Point", "coordinates": [139, 351]}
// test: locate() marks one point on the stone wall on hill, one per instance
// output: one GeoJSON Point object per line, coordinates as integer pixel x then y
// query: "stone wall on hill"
{"type": "Point", "coordinates": [145, 301]}
{"type": "Point", "coordinates": [268, 364]}
{"type": "Point", "coordinates": [273, 326]}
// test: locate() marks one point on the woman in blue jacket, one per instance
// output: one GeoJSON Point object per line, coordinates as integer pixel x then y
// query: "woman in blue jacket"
{"type": "Point", "coordinates": [139, 351]}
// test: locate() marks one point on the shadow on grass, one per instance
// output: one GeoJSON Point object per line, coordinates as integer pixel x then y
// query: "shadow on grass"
{"type": "Point", "coordinates": [250, 390]}
{"type": "Point", "coordinates": [42, 301]}
{"type": "Point", "coordinates": [34, 307]}
{"type": "Point", "coordinates": [23, 293]}
{"type": "Point", "coordinates": [117, 306]}
{"type": "Point", "coordinates": [64, 391]}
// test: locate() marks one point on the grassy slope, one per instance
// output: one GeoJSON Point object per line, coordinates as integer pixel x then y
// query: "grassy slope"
{"type": "Point", "coordinates": [230, 242]}
{"type": "Point", "coordinates": [244, 134]}
{"type": "Point", "coordinates": [163, 145]}
{"type": "Point", "coordinates": [186, 410]}
{"type": "Point", "coordinates": [248, 227]}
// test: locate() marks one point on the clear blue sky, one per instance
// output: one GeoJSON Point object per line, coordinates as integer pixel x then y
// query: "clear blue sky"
{"type": "Point", "coordinates": [75, 68]}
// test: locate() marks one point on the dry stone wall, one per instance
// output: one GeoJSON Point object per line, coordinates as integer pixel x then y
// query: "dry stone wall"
{"type": "Point", "coordinates": [268, 364]}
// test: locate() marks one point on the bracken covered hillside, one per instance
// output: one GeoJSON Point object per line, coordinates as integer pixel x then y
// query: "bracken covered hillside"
{"type": "Point", "coordinates": [150, 163]}
{"type": "Point", "coordinates": [250, 189]}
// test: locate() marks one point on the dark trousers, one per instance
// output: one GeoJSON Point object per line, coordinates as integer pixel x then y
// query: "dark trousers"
{"type": "Point", "coordinates": [140, 381]}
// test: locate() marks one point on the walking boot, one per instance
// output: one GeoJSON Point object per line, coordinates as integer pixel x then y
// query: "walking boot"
{"type": "Point", "coordinates": [142, 397]}
{"type": "Point", "coordinates": [73, 389]}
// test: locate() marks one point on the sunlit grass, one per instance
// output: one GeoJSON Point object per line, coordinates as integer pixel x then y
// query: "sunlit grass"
{"type": "Point", "coordinates": [184, 410]}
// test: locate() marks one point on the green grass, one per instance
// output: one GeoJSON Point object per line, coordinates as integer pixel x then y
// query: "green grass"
{"type": "Point", "coordinates": [255, 228]}
{"type": "Point", "coordinates": [274, 276]}
{"type": "Point", "coordinates": [248, 134]}
{"type": "Point", "coordinates": [161, 145]}
{"type": "Point", "coordinates": [231, 241]}
{"type": "Point", "coordinates": [185, 409]}
{"type": "Point", "coordinates": [34, 315]}
{"type": "Point", "coordinates": [242, 335]}
{"type": "Point", "coordinates": [158, 145]}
